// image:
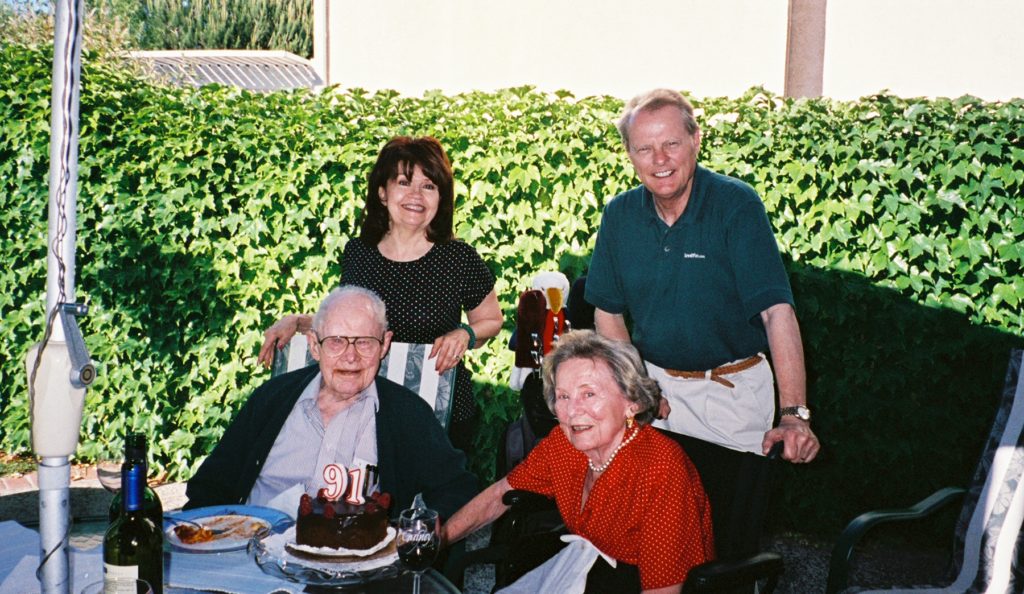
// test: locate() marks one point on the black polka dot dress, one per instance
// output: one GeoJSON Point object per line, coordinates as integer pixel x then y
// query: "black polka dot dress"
{"type": "Point", "coordinates": [425, 297]}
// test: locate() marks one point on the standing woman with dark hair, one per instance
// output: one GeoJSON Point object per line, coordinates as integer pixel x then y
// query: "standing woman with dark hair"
{"type": "Point", "coordinates": [407, 253]}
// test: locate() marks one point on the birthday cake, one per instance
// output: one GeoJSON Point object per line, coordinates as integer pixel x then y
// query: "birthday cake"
{"type": "Point", "coordinates": [342, 525]}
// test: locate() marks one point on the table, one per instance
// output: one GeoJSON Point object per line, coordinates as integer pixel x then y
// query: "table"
{"type": "Point", "coordinates": [184, 573]}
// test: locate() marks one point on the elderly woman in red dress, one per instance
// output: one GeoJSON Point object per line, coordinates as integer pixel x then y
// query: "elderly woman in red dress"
{"type": "Point", "coordinates": [618, 483]}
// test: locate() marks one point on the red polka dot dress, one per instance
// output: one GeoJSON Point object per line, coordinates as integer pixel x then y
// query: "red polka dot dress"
{"type": "Point", "coordinates": [648, 508]}
{"type": "Point", "coordinates": [425, 298]}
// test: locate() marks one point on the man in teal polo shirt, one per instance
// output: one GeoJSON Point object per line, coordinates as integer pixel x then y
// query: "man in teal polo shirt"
{"type": "Point", "coordinates": [690, 258]}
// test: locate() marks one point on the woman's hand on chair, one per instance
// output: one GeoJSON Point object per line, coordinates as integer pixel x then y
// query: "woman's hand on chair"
{"type": "Point", "coordinates": [279, 335]}
{"type": "Point", "coordinates": [448, 349]}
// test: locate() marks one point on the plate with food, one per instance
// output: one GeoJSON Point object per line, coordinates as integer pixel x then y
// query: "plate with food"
{"type": "Point", "coordinates": [222, 528]}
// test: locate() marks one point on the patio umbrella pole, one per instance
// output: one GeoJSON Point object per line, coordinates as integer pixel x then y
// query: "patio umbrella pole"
{"type": "Point", "coordinates": [59, 367]}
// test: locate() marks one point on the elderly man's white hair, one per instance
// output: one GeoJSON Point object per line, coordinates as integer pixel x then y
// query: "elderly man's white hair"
{"type": "Point", "coordinates": [343, 292]}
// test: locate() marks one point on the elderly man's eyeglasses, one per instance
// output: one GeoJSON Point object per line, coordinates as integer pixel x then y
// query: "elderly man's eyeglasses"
{"type": "Point", "coordinates": [334, 346]}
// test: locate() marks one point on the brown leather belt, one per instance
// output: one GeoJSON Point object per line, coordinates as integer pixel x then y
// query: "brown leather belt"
{"type": "Point", "coordinates": [716, 374]}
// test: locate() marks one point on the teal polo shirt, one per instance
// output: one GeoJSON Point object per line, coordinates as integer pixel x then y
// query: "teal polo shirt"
{"type": "Point", "coordinates": [694, 291]}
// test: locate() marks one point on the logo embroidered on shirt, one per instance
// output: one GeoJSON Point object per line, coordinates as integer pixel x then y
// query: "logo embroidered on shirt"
{"type": "Point", "coordinates": [693, 255]}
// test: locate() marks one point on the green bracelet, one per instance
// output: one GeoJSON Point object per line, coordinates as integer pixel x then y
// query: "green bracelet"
{"type": "Point", "coordinates": [472, 335]}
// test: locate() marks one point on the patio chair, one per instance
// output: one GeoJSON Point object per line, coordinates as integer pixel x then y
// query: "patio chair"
{"type": "Point", "coordinates": [988, 549]}
{"type": "Point", "coordinates": [404, 364]}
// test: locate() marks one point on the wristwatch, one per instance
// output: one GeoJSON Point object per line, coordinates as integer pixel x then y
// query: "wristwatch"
{"type": "Point", "coordinates": [801, 412]}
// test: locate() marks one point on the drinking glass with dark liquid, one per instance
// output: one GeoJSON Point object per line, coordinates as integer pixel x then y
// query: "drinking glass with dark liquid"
{"type": "Point", "coordinates": [418, 541]}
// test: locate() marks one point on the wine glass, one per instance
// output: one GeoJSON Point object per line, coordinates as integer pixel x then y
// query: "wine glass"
{"type": "Point", "coordinates": [418, 541]}
{"type": "Point", "coordinates": [108, 472]}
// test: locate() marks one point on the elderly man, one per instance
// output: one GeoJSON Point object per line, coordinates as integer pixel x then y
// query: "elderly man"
{"type": "Point", "coordinates": [689, 256]}
{"type": "Point", "coordinates": [336, 415]}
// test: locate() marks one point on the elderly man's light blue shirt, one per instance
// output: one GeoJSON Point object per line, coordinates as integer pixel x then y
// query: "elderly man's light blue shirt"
{"type": "Point", "coordinates": [305, 446]}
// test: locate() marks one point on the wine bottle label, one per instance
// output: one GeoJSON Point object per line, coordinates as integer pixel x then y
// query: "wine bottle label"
{"type": "Point", "coordinates": [119, 579]}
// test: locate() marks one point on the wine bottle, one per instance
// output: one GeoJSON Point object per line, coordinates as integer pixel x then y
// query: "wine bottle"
{"type": "Point", "coordinates": [135, 453]}
{"type": "Point", "coordinates": [133, 546]}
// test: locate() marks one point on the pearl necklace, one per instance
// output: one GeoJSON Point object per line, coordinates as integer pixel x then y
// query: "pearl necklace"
{"type": "Point", "coordinates": [604, 466]}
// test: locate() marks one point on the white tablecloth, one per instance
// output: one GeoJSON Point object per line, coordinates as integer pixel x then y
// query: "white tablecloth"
{"type": "Point", "coordinates": [232, 573]}
{"type": "Point", "coordinates": [19, 558]}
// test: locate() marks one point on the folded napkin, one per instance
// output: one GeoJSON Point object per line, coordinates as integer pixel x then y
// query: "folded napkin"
{"type": "Point", "coordinates": [231, 572]}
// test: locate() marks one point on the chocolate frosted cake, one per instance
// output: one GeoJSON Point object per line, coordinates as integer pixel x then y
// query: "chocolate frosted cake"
{"type": "Point", "coordinates": [341, 525]}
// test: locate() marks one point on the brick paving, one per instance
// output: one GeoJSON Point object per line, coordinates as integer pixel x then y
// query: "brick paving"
{"type": "Point", "coordinates": [18, 483]}
{"type": "Point", "coordinates": [21, 482]}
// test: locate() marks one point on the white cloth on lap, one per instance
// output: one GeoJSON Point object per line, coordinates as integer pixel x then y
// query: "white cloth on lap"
{"type": "Point", "coordinates": [566, 572]}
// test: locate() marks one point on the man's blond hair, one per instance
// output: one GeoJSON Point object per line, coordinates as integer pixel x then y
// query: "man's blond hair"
{"type": "Point", "coordinates": [652, 100]}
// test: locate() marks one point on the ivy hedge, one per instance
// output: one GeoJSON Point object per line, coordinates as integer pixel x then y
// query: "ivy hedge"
{"type": "Point", "coordinates": [205, 214]}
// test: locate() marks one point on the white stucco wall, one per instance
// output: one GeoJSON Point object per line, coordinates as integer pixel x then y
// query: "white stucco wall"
{"type": "Point", "coordinates": [613, 47]}
{"type": "Point", "coordinates": [925, 48]}
{"type": "Point", "coordinates": [707, 47]}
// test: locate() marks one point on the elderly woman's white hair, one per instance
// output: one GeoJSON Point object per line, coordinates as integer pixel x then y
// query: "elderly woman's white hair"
{"type": "Point", "coordinates": [380, 312]}
{"type": "Point", "coordinates": [622, 358]}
